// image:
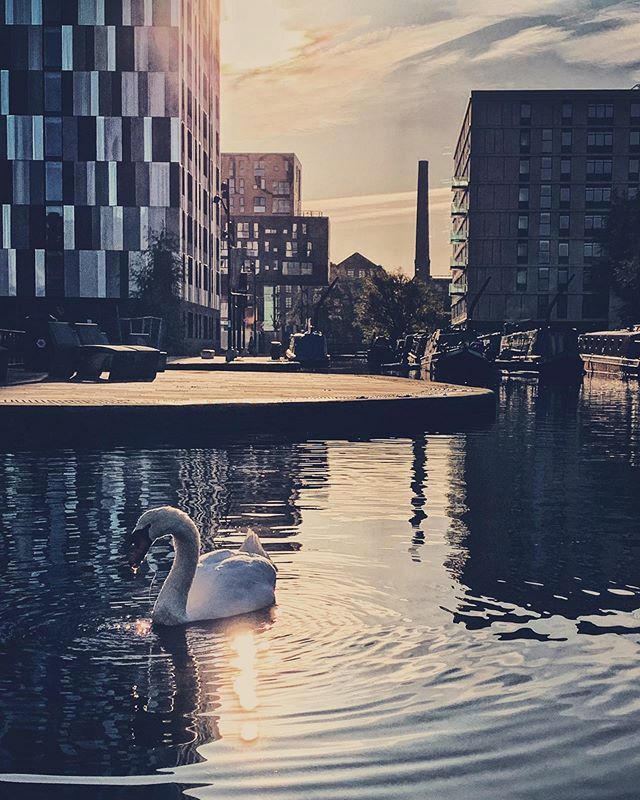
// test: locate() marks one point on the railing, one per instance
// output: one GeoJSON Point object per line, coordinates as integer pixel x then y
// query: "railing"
{"type": "Point", "coordinates": [455, 264]}
{"type": "Point", "coordinates": [458, 237]}
{"type": "Point", "coordinates": [459, 182]}
{"type": "Point", "coordinates": [11, 341]}
{"type": "Point", "coordinates": [459, 211]}
{"type": "Point", "coordinates": [457, 289]}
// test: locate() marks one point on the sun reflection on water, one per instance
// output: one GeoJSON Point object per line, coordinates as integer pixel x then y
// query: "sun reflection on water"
{"type": "Point", "coordinates": [245, 682]}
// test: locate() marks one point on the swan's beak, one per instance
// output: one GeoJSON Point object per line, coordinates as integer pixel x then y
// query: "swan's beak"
{"type": "Point", "coordinates": [139, 544]}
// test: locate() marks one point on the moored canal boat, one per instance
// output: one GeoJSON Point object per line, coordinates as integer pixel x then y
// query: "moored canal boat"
{"type": "Point", "coordinates": [613, 353]}
{"type": "Point", "coordinates": [450, 356]}
{"type": "Point", "coordinates": [309, 349]}
{"type": "Point", "coordinates": [546, 353]}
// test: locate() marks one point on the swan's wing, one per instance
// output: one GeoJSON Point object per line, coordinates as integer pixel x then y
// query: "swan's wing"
{"type": "Point", "coordinates": [225, 587]}
{"type": "Point", "coordinates": [212, 559]}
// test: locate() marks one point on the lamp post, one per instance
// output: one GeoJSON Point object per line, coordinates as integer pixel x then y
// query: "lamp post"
{"type": "Point", "coordinates": [223, 199]}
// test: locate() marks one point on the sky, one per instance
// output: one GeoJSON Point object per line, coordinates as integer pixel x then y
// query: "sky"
{"type": "Point", "coordinates": [363, 89]}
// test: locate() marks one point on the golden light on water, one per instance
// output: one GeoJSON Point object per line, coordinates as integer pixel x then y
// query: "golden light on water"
{"type": "Point", "coordinates": [245, 683]}
{"type": "Point", "coordinates": [142, 627]}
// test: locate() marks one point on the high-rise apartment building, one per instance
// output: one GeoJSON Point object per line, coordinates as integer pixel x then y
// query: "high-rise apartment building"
{"type": "Point", "coordinates": [109, 133]}
{"type": "Point", "coordinates": [535, 173]}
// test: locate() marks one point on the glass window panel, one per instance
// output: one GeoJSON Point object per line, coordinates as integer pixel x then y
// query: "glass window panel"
{"type": "Point", "coordinates": [53, 181]}
{"type": "Point", "coordinates": [52, 92]}
{"type": "Point", "coordinates": [53, 137]}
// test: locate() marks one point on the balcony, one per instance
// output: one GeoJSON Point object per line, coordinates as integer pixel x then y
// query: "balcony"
{"type": "Point", "coordinates": [459, 211]}
{"type": "Point", "coordinates": [457, 237]}
{"type": "Point", "coordinates": [456, 289]}
{"type": "Point", "coordinates": [459, 182]}
{"type": "Point", "coordinates": [456, 263]}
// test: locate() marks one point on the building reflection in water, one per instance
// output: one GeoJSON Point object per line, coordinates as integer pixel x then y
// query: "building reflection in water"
{"type": "Point", "coordinates": [550, 526]}
{"type": "Point", "coordinates": [86, 686]}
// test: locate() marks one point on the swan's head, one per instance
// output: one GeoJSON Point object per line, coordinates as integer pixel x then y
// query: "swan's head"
{"type": "Point", "coordinates": [152, 525]}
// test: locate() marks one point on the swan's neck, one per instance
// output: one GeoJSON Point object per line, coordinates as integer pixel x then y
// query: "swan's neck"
{"type": "Point", "coordinates": [171, 606]}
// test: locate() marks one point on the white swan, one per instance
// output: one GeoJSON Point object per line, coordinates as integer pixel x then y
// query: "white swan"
{"type": "Point", "coordinates": [217, 585]}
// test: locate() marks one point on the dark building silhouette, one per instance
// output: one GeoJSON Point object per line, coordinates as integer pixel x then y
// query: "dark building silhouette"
{"type": "Point", "coordinates": [109, 132]}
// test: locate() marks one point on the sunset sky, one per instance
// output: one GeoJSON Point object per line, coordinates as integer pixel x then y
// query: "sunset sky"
{"type": "Point", "coordinates": [362, 89]}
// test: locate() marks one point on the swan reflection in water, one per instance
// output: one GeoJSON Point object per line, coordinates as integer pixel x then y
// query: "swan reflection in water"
{"type": "Point", "coordinates": [200, 685]}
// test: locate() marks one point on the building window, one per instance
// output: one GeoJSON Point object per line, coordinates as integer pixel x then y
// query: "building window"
{"type": "Point", "coordinates": [545, 224]}
{"type": "Point", "coordinates": [543, 305]}
{"type": "Point", "coordinates": [566, 141]}
{"type": "Point", "coordinates": [525, 141]}
{"type": "Point", "coordinates": [635, 111]}
{"type": "Point", "coordinates": [634, 140]}
{"type": "Point", "coordinates": [543, 279]}
{"type": "Point", "coordinates": [565, 197]}
{"type": "Point", "coordinates": [599, 168]}
{"type": "Point", "coordinates": [565, 168]}
{"type": "Point", "coordinates": [53, 137]}
{"type": "Point", "coordinates": [54, 228]}
{"type": "Point", "coordinates": [53, 181]}
{"type": "Point", "coordinates": [600, 111]}
{"type": "Point", "coordinates": [291, 249]}
{"type": "Point", "coordinates": [599, 141]}
{"type": "Point", "coordinates": [523, 252]}
{"type": "Point", "coordinates": [281, 206]}
{"type": "Point", "coordinates": [547, 140]}
{"type": "Point", "coordinates": [523, 223]}
{"type": "Point", "coordinates": [545, 169]}
{"type": "Point", "coordinates": [525, 114]}
{"type": "Point", "coordinates": [242, 230]}
{"type": "Point", "coordinates": [545, 196]}
{"type": "Point", "coordinates": [52, 92]}
{"type": "Point", "coordinates": [521, 280]}
{"type": "Point", "coordinates": [564, 222]}
{"type": "Point", "coordinates": [567, 111]}
{"type": "Point", "coordinates": [563, 252]}
{"type": "Point", "coordinates": [563, 279]}
{"type": "Point", "coordinates": [524, 169]}
{"type": "Point", "coordinates": [594, 222]}
{"type": "Point", "coordinates": [634, 167]}
{"type": "Point", "coordinates": [523, 197]}
{"type": "Point", "coordinates": [592, 251]}
{"type": "Point", "coordinates": [259, 205]}
{"type": "Point", "coordinates": [52, 48]}
{"type": "Point", "coordinates": [544, 251]}
{"type": "Point", "coordinates": [597, 195]}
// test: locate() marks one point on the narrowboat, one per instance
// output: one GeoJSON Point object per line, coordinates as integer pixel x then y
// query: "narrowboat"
{"type": "Point", "coordinates": [380, 353]}
{"type": "Point", "coordinates": [309, 349]}
{"type": "Point", "coordinates": [451, 356]}
{"type": "Point", "coordinates": [546, 353]}
{"type": "Point", "coordinates": [418, 347]}
{"type": "Point", "coordinates": [614, 353]}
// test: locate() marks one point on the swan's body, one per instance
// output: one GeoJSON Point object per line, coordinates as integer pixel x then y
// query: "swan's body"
{"type": "Point", "coordinates": [216, 585]}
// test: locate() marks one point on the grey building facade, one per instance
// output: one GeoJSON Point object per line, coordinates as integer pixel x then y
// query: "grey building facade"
{"type": "Point", "coordinates": [535, 173]}
{"type": "Point", "coordinates": [109, 133]}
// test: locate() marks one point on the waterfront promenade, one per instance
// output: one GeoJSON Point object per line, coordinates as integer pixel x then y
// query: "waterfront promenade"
{"type": "Point", "coordinates": [180, 403]}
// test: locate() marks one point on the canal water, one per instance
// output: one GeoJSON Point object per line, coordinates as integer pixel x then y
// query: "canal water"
{"type": "Point", "coordinates": [458, 616]}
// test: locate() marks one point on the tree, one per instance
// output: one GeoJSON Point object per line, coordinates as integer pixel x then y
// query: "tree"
{"type": "Point", "coordinates": [159, 286]}
{"type": "Point", "coordinates": [394, 305]}
{"type": "Point", "coordinates": [621, 243]}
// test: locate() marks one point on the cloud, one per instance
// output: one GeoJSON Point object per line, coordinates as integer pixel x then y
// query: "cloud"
{"type": "Point", "coordinates": [524, 44]}
{"type": "Point", "coordinates": [377, 208]}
